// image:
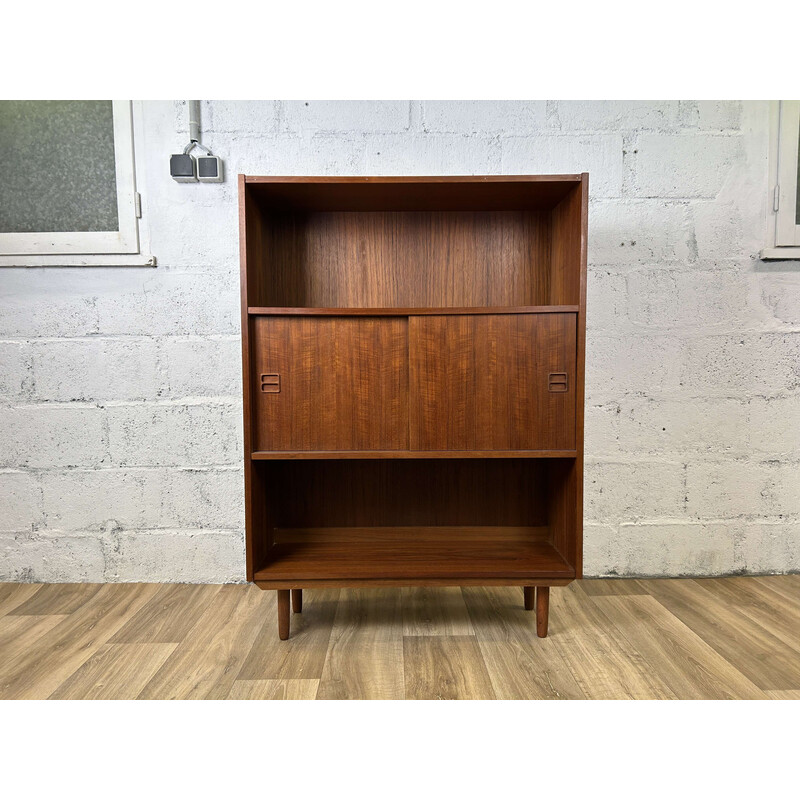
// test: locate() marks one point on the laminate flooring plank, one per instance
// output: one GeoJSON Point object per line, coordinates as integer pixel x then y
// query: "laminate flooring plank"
{"type": "Point", "coordinates": [780, 584]}
{"type": "Point", "coordinates": [433, 611]}
{"type": "Point", "coordinates": [692, 669]}
{"type": "Point", "coordinates": [17, 634]}
{"type": "Point", "coordinates": [767, 661]}
{"type": "Point", "coordinates": [274, 690]}
{"type": "Point", "coordinates": [169, 616]}
{"type": "Point", "coordinates": [445, 668]}
{"type": "Point", "coordinates": [532, 670]}
{"type": "Point", "coordinates": [57, 598]}
{"type": "Point", "coordinates": [205, 664]}
{"type": "Point", "coordinates": [13, 595]}
{"type": "Point", "coordinates": [115, 672]}
{"type": "Point", "coordinates": [769, 609]}
{"type": "Point", "coordinates": [785, 694]}
{"type": "Point", "coordinates": [365, 653]}
{"type": "Point", "coordinates": [302, 655]}
{"type": "Point", "coordinates": [498, 613]}
{"type": "Point", "coordinates": [610, 587]}
{"type": "Point", "coordinates": [40, 670]}
{"type": "Point", "coordinates": [520, 665]}
{"type": "Point", "coordinates": [603, 662]}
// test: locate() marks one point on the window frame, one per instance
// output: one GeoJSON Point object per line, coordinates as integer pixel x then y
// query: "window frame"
{"type": "Point", "coordinates": [783, 232]}
{"type": "Point", "coordinates": [123, 247]}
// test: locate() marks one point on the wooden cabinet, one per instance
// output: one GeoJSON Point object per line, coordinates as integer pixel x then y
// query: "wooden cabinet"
{"type": "Point", "coordinates": [413, 382]}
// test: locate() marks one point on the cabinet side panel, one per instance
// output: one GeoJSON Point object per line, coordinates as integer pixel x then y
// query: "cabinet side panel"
{"type": "Point", "coordinates": [250, 254]}
{"type": "Point", "coordinates": [330, 383]}
{"type": "Point", "coordinates": [569, 244]}
{"type": "Point", "coordinates": [581, 376]}
{"type": "Point", "coordinates": [566, 246]}
{"type": "Point", "coordinates": [562, 493]}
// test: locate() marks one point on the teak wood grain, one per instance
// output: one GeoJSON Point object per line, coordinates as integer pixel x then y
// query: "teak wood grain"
{"type": "Point", "coordinates": [415, 554]}
{"type": "Point", "coordinates": [343, 383]}
{"type": "Point", "coordinates": [410, 192]}
{"type": "Point", "coordinates": [317, 455]}
{"type": "Point", "coordinates": [481, 382]}
{"type": "Point", "coordinates": [311, 311]}
{"type": "Point", "coordinates": [395, 259]}
{"type": "Point", "coordinates": [413, 361]}
{"type": "Point", "coordinates": [387, 493]}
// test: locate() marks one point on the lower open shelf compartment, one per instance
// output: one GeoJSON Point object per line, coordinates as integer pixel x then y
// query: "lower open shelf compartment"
{"type": "Point", "coordinates": [414, 554]}
{"type": "Point", "coordinates": [422, 522]}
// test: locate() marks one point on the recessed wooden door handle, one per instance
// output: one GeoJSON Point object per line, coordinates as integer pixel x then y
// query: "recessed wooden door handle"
{"type": "Point", "coordinates": [557, 382]}
{"type": "Point", "coordinates": [271, 382]}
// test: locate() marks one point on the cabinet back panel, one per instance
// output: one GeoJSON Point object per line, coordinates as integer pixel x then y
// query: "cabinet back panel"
{"type": "Point", "coordinates": [406, 259]}
{"type": "Point", "coordinates": [473, 492]}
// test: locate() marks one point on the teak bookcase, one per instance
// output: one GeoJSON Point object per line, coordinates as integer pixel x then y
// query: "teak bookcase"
{"type": "Point", "coordinates": [413, 355]}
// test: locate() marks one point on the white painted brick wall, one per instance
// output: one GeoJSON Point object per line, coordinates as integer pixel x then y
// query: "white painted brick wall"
{"type": "Point", "coordinates": [21, 501]}
{"type": "Point", "coordinates": [685, 165]}
{"type": "Point", "coordinates": [175, 434]}
{"type": "Point", "coordinates": [655, 233]}
{"type": "Point", "coordinates": [120, 410]}
{"type": "Point", "coordinates": [485, 116]}
{"type": "Point", "coordinates": [598, 154]}
{"type": "Point", "coordinates": [221, 371]}
{"type": "Point", "coordinates": [619, 115]}
{"type": "Point", "coordinates": [95, 369]}
{"type": "Point", "coordinates": [40, 436]}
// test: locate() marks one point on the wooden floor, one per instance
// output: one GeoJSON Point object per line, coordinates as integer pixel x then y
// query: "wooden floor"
{"type": "Point", "coordinates": [711, 638]}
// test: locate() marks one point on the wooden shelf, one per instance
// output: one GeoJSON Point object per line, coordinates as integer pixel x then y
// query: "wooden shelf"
{"type": "Point", "coordinates": [415, 554]}
{"type": "Point", "coordinates": [407, 312]}
{"type": "Point", "coordinates": [309, 455]}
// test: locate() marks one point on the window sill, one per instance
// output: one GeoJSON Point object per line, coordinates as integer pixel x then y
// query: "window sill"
{"type": "Point", "coordinates": [109, 260]}
{"type": "Point", "coordinates": [779, 253]}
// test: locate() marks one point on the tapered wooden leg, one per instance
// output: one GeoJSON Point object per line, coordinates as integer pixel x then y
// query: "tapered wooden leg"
{"type": "Point", "coordinates": [283, 613]}
{"type": "Point", "coordinates": [297, 601]}
{"type": "Point", "coordinates": [542, 610]}
{"type": "Point", "coordinates": [528, 590]}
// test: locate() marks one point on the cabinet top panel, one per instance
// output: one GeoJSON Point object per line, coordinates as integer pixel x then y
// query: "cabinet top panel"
{"type": "Point", "coordinates": [411, 193]}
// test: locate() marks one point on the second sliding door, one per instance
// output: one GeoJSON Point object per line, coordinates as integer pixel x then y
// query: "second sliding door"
{"type": "Point", "coordinates": [492, 381]}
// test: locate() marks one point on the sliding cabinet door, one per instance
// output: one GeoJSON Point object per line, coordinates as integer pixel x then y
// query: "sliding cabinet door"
{"type": "Point", "coordinates": [330, 383]}
{"type": "Point", "coordinates": [492, 382]}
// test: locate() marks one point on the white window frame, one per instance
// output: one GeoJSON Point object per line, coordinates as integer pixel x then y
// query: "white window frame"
{"type": "Point", "coordinates": [783, 232]}
{"type": "Point", "coordinates": [122, 247]}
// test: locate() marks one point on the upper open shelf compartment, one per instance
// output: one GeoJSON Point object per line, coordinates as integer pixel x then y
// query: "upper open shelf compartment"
{"type": "Point", "coordinates": [372, 243]}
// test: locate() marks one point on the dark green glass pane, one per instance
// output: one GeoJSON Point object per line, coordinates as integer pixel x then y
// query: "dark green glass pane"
{"type": "Point", "coordinates": [57, 166]}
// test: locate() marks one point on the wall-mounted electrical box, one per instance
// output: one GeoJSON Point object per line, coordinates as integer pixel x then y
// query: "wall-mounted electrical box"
{"type": "Point", "coordinates": [186, 168]}
{"type": "Point", "coordinates": [209, 169]}
{"type": "Point", "coordinates": [183, 168]}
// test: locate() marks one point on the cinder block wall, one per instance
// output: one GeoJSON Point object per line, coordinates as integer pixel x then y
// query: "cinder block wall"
{"type": "Point", "coordinates": [120, 417]}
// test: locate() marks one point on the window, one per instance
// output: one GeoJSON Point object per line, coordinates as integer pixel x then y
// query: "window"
{"type": "Point", "coordinates": [783, 216]}
{"type": "Point", "coordinates": [68, 192]}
